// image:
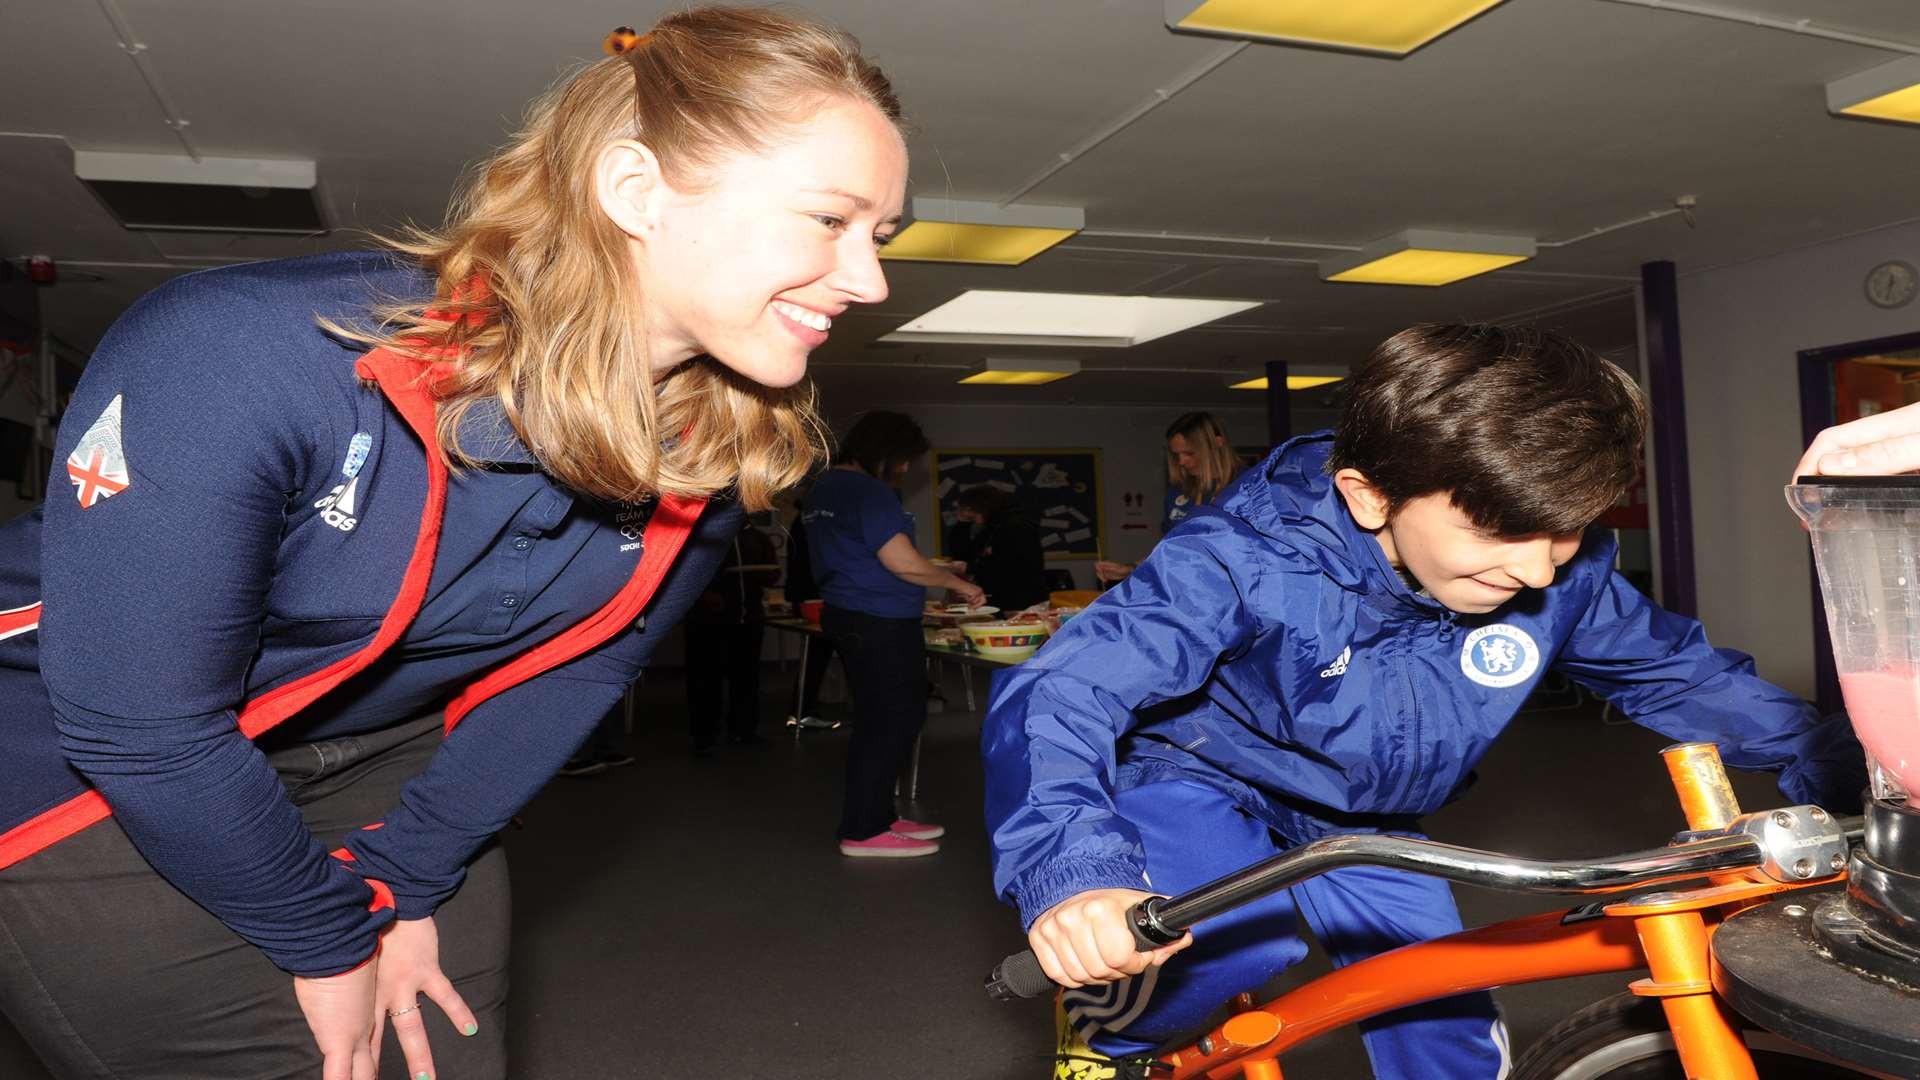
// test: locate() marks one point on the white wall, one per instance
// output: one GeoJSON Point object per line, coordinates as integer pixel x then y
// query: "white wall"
{"type": "Point", "coordinates": [1741, 327]}
{"type": "Point", "coordinates": [1130, 438]}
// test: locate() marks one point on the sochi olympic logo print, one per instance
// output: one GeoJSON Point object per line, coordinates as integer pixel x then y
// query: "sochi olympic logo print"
{"type": "Point", "coordinates": [1499, 656]}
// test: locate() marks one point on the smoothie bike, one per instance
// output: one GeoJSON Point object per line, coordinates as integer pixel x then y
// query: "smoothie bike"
{"type": "Point", "coordinates": [1783, 943]}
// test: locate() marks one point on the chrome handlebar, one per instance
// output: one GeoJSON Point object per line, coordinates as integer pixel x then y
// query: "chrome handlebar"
{"type": "Point", "coordinates": [1791, 844]}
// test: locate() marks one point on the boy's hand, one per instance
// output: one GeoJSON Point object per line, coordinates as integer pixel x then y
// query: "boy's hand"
{"type": "Point", "coordinates": [1084, 939]}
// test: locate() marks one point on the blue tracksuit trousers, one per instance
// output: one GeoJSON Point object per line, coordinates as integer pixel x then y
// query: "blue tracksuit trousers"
{"type": "Point", "coordinates": [1194, 834]}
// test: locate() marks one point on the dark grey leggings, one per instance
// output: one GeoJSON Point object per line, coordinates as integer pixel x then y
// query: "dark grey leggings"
{"type": "Point", "coordinates": [110, 972]}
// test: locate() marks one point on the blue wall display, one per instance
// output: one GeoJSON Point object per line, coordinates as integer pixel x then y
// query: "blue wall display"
{"type": "Point", "coordinates": [1058, 490]}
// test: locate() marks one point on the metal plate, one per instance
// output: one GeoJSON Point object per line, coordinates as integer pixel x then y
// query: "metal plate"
{"type": "Point", "coordinates": [1769, 966]}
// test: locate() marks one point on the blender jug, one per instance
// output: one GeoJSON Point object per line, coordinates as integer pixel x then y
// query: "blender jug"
{"type": "Point", "coordinates": [1866, 548]}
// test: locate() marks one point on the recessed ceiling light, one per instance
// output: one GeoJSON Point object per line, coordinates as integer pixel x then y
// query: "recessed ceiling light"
{"type": "Point", "coordinates": [211, 194]}
{"type": "Point", "coordinates": [1390, 27]}
{"type": "Point", "coordinates": [1888, 92]}
{"type": "Point", "coordinates": [950, 230]}
{"type": "Point", "coordinates": [1019, 372]}
{"type": "Point", "coordinates": [1427, 257]}
{"type": "Point", "coordinates": [999, 317]}
{"type": "Point", "coordinates": [1294, 382]}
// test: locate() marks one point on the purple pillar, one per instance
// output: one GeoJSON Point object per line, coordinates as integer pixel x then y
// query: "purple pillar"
{"type": "Point", "coordinates": [1279, 423]}
{"type": "Point", "coordinates": [1660, 304]}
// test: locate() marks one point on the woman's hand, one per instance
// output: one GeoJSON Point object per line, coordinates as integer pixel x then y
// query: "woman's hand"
{"type": "Point", "coordinates": [1877, 445]}
{"type": "Point", "coordinates": [410, 967]}
{"type": "Point", "coordinates": [966, 592]}
{"type": "Point", "coordinates": [339, 1010]}
{"type": "Point", "coordinates": [1085, 939]}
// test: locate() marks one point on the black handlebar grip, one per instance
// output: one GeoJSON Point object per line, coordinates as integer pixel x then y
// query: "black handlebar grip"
{"type": "Point", "coordinates": [1018, 976]}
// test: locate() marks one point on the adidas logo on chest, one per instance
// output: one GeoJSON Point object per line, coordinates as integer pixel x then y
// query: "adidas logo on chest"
{"type": "Point", "coordinates": [1339, 666]}
{"type": "Point", "coordinates": [337, 506]}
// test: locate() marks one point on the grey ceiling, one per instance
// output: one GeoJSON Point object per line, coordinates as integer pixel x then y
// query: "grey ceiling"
{"type": "Point", "coordinates": [1548, 118]}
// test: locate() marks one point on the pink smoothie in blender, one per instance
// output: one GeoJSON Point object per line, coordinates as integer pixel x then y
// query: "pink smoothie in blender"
{"type": "Point", "coordinates": [1885, 709]}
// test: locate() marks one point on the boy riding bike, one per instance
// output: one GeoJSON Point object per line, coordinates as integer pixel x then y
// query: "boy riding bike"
{"type": "Point", "coordinates": [1331, 649]}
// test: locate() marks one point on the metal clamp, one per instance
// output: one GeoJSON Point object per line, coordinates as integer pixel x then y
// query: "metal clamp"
{"type": "Point", "coordinates": [1800, 843]}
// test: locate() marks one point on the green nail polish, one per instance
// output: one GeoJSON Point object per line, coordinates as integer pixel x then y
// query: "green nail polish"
{"type": "Point", "coordinates": [424, 1076]}
{"type": "Point", "coordinates": [471, 1029]}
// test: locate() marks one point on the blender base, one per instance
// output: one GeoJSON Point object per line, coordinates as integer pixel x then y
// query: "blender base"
{"type": "Point", "coordinates": [1773, 966]}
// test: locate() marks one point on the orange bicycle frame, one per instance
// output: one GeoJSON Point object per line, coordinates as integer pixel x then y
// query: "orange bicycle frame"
{"type": "Point", "coordinates": [1667, 933]}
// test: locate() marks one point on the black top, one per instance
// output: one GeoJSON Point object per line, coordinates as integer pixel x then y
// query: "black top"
{"type": "Point", "coordinates": [800, 583]}
{"type": "Point", "coordinates": [1008, 562]}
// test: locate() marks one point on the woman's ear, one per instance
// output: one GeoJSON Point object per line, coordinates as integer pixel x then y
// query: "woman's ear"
{"type": "Point", "coordinates": [1367, 504]}
{"type": "Point", "coordinates": [628, 184]}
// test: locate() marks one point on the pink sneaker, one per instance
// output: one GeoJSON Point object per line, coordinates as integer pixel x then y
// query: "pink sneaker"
{"type": "Point", "coordinates": [888, 845]}
{"type": "Point", "coordinates": [919, 830]}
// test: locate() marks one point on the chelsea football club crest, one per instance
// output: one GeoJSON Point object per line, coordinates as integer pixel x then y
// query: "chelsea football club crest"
{"type": "Point", "coordinates": [1499, 656]}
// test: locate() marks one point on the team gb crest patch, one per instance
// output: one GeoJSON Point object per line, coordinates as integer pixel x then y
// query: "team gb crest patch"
{"type": "Point", "coordinates": [98, 464]}
{"type": "Point", "coordinates": [1499, 656]}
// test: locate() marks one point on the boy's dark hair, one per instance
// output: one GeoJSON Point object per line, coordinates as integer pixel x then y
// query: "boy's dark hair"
{"type": "Point", "coordinates": [880, 440]}
{"type": "Point", "coordinates": [983, 499]}
{"type": "Point", "coordinates": [1528, 430]}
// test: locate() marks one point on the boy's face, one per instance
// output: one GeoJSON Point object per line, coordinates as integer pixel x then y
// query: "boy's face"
{"type": "Point", "coordinates": [1459, 565]}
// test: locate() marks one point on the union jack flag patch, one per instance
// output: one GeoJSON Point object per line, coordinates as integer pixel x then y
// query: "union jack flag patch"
{"type": "Point", "coordinates": [98, 465]}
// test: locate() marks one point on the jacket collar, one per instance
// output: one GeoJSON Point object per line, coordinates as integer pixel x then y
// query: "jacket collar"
{"type": "Point", "coordinates": [1290, 498]}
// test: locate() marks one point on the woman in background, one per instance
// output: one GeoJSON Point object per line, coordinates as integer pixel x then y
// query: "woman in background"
{"type": "Point", "coordinates": [875, 582]}
{"type": "Point", "coordinates": [1200, 465]}
{"type": "Point", "coordinates": [1006, 559]}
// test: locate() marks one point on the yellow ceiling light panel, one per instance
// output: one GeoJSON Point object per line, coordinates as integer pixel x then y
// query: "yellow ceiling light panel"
{"type": "Point", "coordinates": [1888, 92]}
{"type": "Point", "coordinates": [952, 230]}
{"type": "Point", "coordinates": [1022, 372]}
{"type": "Point", "coordinates": [1294, 382]}
{"type": "Point", "coordinates": [1427, 257]}
{"type": "Point", "coordinates": [1388, 27]}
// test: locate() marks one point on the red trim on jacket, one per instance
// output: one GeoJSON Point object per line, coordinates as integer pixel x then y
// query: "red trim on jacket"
{"type": "Point", "coordinates": [666, 534]}
{"type": "Point", "coordinates": [19, 620]}
{"type": "Point", "coordinates": [49, 827]}
{"type": "Point", "coordinates": [408, 385]}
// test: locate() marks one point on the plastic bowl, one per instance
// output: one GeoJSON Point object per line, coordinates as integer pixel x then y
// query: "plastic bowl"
{"type": "Point", "coordinates": [1003, 640]}
{"type": "Point", "coordinates": [1010, 654]}
{"type": "Point", "coordinates": [810, 610]}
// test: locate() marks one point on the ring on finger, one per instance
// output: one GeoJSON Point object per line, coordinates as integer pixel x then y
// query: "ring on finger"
{"type": "Point", "coordinates": [398, 1013]}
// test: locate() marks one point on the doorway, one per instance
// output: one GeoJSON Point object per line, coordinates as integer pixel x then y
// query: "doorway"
{"type": "Point", "coordinates": [1839, 383]}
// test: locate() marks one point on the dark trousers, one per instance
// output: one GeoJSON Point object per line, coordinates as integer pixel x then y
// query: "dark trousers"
{"type": "Point", "coordinates": [886, 662]}
{"type": "Point", "coordinates": [723, 679]}
{"type": "Point", "coordinates": [110, 973]}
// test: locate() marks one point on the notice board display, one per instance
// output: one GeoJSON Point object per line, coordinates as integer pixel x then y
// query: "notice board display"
{"type": "Point", "coordinates": [1058, 490]}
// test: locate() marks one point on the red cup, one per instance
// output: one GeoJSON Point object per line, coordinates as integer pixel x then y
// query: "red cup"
{"type": "Point", "coordinates": [810, 610]}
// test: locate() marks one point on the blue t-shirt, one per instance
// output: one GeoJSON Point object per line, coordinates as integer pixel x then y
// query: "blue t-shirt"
{"type": "Point", "coordinates": [849, 517]}
{"type": "Point", "coordinates": [1176, 509]}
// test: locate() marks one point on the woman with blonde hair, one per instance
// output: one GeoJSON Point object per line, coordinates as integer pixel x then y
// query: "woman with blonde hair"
{"type": "Point", "coordinates": [357, 549]}
{"type": "Point", "coordinates": [1200, 465]}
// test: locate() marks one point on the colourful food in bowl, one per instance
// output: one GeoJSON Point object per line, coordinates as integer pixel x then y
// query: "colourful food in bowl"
{"type": "Point", "coordinates": [1004, 640]}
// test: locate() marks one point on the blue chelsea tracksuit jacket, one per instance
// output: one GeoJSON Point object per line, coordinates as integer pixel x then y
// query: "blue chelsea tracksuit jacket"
{"type": "Point", "coordinates": [213, 570]}
{"type": "Point", "coordinates": [1267, 650]}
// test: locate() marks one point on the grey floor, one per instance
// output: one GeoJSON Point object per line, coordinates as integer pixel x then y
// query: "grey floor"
{"type": "Point", "coordinates": [691, 918]}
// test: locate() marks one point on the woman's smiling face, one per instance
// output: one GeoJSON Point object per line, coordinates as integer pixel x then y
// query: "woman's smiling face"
{"type": "Point", "coordinates": [753, 267]}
